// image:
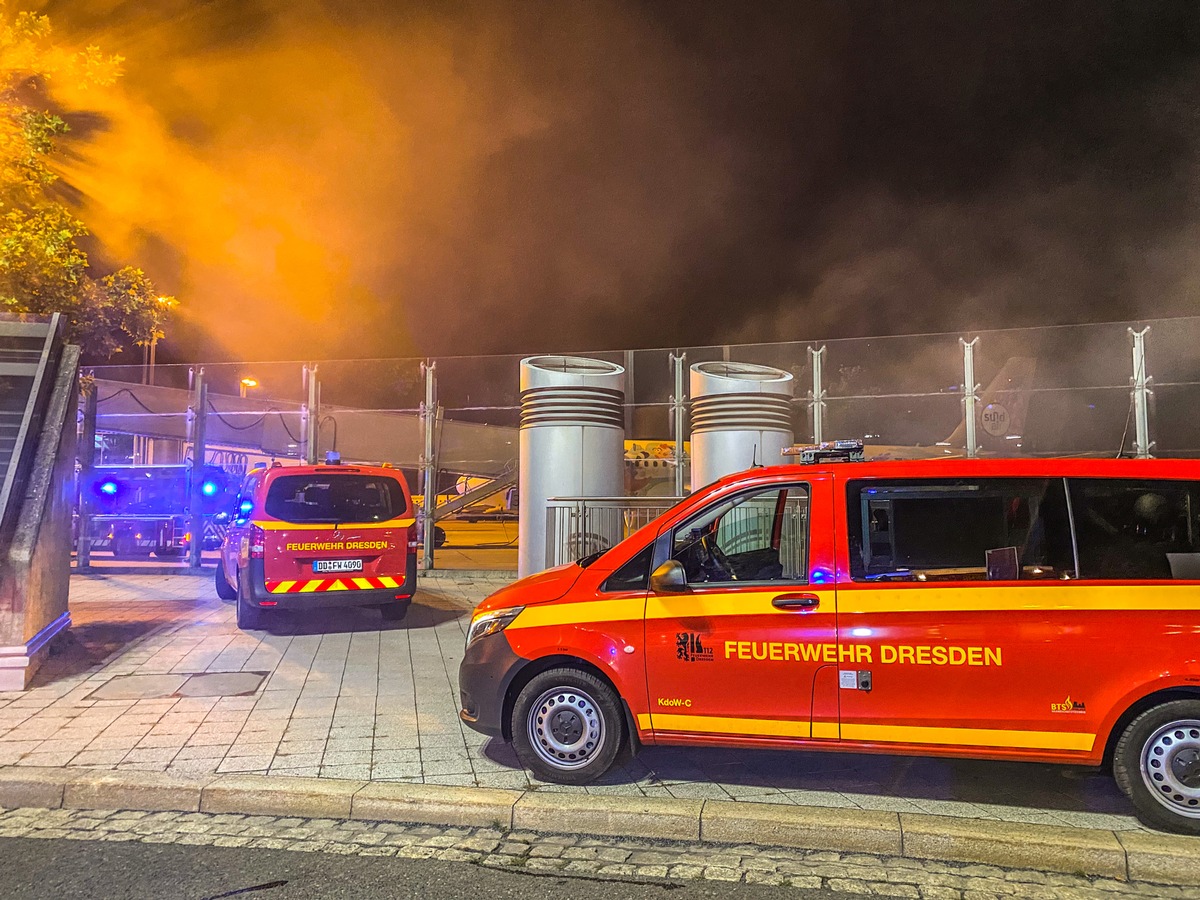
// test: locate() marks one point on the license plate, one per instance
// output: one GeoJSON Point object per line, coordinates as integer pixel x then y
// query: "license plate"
{"type": "Point", "coordinates": [337, 565]}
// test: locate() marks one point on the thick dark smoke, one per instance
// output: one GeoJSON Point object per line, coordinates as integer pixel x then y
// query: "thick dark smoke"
{"type": "Point", "coordinates": [348, 178]}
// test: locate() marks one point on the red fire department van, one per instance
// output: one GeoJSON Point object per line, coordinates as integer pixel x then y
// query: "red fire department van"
{"type": "Point", "coordinates": [303, 537]}
{"type": "Point", "coordinates": [1020, 609]}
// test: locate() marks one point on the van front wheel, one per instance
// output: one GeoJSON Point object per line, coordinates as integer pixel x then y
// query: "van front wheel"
{"type": "Point", "coordinates": [1157, 763]}
{"type": "Point", "coordinates": [567, 726]}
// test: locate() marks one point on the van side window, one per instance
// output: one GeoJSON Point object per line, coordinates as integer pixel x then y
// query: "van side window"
{"type": "Point", "coordinates": [243, 504]}
{"type": "Point", "coordinates": [959, 529]}
{"type": "Point", "coordinates": [761, 536]}
{"type": "Point", "coordinates": [633, 576]}
{"type": "Point", "coordinates": [1137, 529]}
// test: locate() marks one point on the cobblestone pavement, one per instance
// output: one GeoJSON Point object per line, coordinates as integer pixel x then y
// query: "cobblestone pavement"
{"type": "Point", "coordinates": [612, 858]}
{"type": "Point", "coordinates": [344, 695]}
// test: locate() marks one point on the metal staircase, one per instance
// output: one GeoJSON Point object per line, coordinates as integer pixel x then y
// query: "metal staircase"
{"type": "Point", "coordinates": [29, 351]}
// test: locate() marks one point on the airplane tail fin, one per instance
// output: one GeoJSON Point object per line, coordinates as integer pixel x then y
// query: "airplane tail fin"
{"type": "Point", "coordinates": [1001, 409]}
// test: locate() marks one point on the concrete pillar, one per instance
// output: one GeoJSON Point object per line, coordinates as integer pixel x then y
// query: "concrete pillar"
{"type": "Point", "coordinates": [741, 416]}
{"type": "Point", "coordinates": [572, 441]}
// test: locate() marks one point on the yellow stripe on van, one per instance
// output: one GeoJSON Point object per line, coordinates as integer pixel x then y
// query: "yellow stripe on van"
{"type": "Point", "coordinates": [271, 525]}
{"type": "Point", "coordinates": [728, 725]}
{"type": "Point", "coordinates": [388, 582]}
{"type": "Point", "coordinates": [309, 586]}
{"type": "Point", "coordinates": [969, 737]}
{"type": "Point", "coordinates": [733, 603]}
{"type": "Point", "coordinates": [884, 734]}
{"type": "Point", "coordinates": [283, 587]}
{"type": "Point", "coordinates": [629, 610]}
{"type": "Point", "coordinates": [1037, 596]}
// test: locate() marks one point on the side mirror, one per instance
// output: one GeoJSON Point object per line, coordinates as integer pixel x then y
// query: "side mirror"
{"type": "Point", "coordinates": [221, 518]}
{"type": "Point", "coordinates": [669, 578]}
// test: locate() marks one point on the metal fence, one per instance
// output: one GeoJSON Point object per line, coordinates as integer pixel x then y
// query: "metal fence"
{"type": "Point", "coordinates": [1112, 388]}
{"type": "Point", "coordinates": [579, 526]}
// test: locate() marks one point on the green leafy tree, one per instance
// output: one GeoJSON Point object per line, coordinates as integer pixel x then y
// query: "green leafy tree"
{"type": "Point", "coordinates": [42, 267]}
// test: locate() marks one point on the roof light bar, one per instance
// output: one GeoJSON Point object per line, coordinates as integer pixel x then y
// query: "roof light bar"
{"type": "Point", "coordinates": [829, 451]}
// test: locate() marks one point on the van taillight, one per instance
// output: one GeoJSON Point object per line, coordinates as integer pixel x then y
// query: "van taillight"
{"type": "Point", "coordinates": [258, 540]}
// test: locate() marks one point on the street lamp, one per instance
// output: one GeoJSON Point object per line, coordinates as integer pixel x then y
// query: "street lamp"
{"type": "Point", "coordinates": [165, 304]}
{"type": "Point", "coordinates": [246, 384]}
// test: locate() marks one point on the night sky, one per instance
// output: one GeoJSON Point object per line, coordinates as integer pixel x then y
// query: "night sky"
{"type": "Point", "coordinates": [349, 179]}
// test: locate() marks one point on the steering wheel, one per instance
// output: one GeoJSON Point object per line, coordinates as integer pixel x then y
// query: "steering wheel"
{"type": "Point", "coordinates": [717, 560]}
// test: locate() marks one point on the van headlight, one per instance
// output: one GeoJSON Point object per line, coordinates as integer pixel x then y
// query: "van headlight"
{"type": "Point", "coordinates": [492, 622]}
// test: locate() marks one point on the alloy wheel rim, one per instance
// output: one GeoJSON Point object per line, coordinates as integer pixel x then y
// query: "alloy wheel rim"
{"type": "Point", "coordinates": [566, 728]}
{"type": "Point", "coordinates": [1170, 767]}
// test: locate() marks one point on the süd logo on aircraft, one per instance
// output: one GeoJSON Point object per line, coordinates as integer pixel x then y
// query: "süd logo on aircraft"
{"type": "Point", "coordinates": [995, 419]}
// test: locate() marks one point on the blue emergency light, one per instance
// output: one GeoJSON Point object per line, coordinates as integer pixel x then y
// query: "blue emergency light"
{"type": "Point", "coordinates": [208, 488]}
{"type": "Point", "coordinates": [109, 487]}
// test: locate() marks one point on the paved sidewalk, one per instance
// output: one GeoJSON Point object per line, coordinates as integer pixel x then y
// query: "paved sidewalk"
{"type": "Point", "coordinates": [343, 695]}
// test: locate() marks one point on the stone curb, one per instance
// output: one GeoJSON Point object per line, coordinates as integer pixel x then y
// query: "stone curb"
{"type": "Point", "coordinates": [1133, 855]}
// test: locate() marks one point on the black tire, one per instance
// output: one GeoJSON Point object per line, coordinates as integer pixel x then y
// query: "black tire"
{"type": "Point", "coordinates": [393, 612]}
{"type": "Point", "coordinates": [1157, 764]}
{"type": "Point", "coordinates": [249, 618]}
{"type": "Point", "coordinates": [125, 546]}
{"type": "Point", "coordinates": [588, 727]}
{"type": "Point", "coordinates": [225, 590]}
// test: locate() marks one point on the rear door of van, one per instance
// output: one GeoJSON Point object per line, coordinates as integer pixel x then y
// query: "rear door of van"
{"type": "Point", "coordinates": [339, 528]}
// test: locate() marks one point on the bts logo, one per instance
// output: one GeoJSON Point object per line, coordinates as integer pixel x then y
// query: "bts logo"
{"type": "Point", "coordinates": [689, 648]}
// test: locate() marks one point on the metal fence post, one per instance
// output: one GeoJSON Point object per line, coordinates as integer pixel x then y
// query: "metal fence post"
{"type": "Point", "coordinates": [816, 397]}
{"type": "Point", "coordinates": [196, 473]}
{"type": "Point", "coordinates": [429, 416]}
{"type": "Point", "coordinates": [678, 418]}
{"type": "Point", "coordinates": [970, 394]}
{"type": "Point", "coordinates": [1141, 394]}
{"type": "Point", "coordinates": [87, 462]}
{"type": "Point", "coordinates": [310, 414]}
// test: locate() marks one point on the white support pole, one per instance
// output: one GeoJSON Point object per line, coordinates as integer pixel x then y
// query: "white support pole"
{"type": "Point", "coordinates": [970, 394]}
{"type": "Point", "coordinates": [678, 418]}
{"type": "Point", "coordinates": [312, 415]}
{"type": "Point", "coordinates": [1141, 394]}
{"type": "Point", "coordinates": [429, 418]}
{"type": "Point", "coordinates": [816, 397]}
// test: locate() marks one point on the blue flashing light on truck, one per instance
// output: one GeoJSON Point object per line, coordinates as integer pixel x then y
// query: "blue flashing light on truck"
{"type": "Point", "coordinates": [139, 510]}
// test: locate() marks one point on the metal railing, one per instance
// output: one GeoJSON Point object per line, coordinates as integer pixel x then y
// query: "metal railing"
{"type": "Point", "coordinates": [578, 526]}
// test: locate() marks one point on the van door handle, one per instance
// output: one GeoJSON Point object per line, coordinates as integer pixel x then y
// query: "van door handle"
{"type": "Point", "coordinates": [796, 602]}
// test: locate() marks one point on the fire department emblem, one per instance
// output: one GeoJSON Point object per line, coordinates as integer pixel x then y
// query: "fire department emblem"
{"type": "Point", "coordinates": [690, 648]}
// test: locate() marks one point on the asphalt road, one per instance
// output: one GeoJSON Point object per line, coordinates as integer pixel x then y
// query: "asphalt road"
{"type": "Point", "coordinates": [34, 869]}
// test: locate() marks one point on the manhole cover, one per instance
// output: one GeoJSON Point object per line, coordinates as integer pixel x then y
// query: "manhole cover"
{"type": "Point", "coordinates": [205, 684]}
{"type": "Point", "coordinates": [138, 687]}
{"type": "Point", "coordinates": [222, 684]}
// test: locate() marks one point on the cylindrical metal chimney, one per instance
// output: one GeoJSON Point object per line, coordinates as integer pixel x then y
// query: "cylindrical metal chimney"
{"type": "Point", "coordinates": [572, 441]}
{"type": "Point", "coordinates": [741, 415]}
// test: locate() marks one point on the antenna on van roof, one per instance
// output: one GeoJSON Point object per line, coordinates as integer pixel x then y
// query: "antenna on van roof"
{"type": "Point", "coordinates": [754, 463]}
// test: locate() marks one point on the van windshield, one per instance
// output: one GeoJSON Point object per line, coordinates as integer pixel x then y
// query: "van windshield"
{"type": "Point", "coordinates": [335, 498]}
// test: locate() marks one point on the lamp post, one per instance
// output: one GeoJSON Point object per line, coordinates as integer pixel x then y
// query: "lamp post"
{"type": "Point", "coordinates": [149, 350]}
{"type": "Point", "coordinates": [143, 447]}
{"type": "Point", "coordinates": [246, 384]}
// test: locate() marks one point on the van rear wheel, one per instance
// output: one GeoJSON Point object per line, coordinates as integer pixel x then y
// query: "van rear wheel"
{"type": "Point", "coordinates": [567, 726]}
{"type": "Point", "coordinates": [393, 612]}
{"type": "Point", "coordinates": [225, 590]}
{"type": "Point", "coordinates": [249, 617]}
{"type": "Point", "coordinates": [1157, 763]}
